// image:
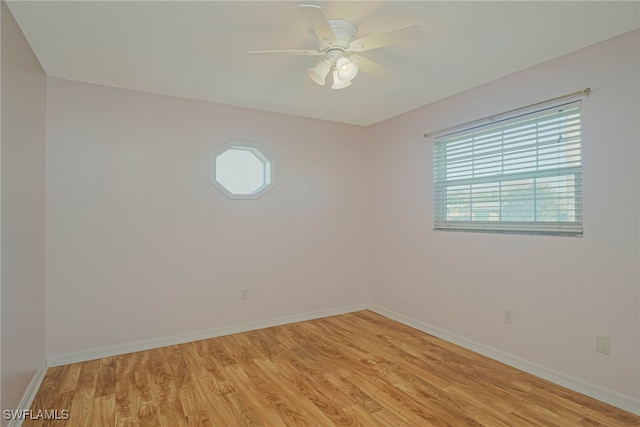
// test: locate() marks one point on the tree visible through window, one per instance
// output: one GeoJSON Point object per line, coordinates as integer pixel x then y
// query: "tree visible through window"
{"type": "Point", "coordinates": [521, 174]}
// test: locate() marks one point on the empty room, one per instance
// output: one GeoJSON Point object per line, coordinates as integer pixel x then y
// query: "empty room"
{"type": "Point", "coordinates": [368, 213]}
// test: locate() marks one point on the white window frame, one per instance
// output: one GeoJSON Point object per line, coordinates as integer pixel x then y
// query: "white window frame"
{"type": "Point", "coordinates": [447, 177]}
{"type": "Point", "coordinates": [261, 153]}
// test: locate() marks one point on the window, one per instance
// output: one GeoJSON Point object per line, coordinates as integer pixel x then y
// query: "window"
{"type": "Point", "coordinates": [242, 171]}
{"type": "Point", "coordinates": [522, 174]}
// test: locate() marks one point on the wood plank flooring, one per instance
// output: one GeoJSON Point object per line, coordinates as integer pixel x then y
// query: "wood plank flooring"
{"type": "Point", "coordinates": [358, 369]}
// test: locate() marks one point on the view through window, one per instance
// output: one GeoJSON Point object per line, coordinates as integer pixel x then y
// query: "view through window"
{"type": "Point", "coordinates": [521, 174]}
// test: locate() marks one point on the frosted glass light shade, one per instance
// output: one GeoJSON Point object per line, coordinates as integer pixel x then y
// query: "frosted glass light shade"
{"type": "Point", "coordinates": [319, 73]}
{"type": "Point", "coordinates": [339, 84]}
{"type": "Point", "coordinates": [346, 68]}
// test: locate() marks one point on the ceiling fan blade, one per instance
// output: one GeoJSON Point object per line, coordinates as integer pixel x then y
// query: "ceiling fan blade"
{"type": "Point", "coordinates": [289, 52]}
{"type": "Point", "coordinates": [370, 67]}
{"type": "Point", "coordinates": [376, 41]}
{"type": "Point", "coordinates": [318, 21]}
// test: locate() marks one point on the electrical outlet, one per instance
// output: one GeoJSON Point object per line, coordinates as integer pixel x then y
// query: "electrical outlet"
{"type": "Point", "coordinates": [603, 344]}
{"type": "Point", "coordinates": [508, 316]}
{"type": "Point", "coordinates": [245, 294]}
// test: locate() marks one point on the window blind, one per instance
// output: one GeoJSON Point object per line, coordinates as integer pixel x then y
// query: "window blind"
{"type": "Point", "coordinates": [522, 174]}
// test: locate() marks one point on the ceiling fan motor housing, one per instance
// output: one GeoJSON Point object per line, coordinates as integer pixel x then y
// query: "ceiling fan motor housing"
{"type": "Point", "coordinates": [344, 32]}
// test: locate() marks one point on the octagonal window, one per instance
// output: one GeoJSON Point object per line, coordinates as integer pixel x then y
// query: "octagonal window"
{"type": "Point", "coordinates": [242, 171]}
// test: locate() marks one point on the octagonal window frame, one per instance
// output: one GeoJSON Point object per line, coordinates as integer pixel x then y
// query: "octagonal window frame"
{"type": "Point", "coordinates": [257, 150]}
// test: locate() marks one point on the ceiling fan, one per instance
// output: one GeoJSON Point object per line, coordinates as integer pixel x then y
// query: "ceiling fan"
{"type": "Point", "coordinates": [339, 50]}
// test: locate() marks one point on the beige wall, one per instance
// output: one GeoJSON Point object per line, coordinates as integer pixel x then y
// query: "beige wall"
{"type": "Point", "coordinates": [140, 245]}
{"type": "Point", "coordinates": [23, 212]}
{"type": "Point", "coordinates": [563, 291]}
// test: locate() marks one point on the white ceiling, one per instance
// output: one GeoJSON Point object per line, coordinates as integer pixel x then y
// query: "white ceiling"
{"type": "Point", "coordinates": [198, 49]}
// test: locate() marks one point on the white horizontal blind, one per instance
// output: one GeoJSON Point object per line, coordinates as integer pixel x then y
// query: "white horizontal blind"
{"type": "Point", "coordinates": [519, 175]}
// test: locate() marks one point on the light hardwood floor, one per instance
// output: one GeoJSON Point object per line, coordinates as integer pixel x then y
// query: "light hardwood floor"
{"type": "Point", "coordinates": [358, 369]}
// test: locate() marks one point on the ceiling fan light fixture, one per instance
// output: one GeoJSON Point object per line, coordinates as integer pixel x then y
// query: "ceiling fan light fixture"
{"type": "Point", "coordinates": [319, 73]}
{"type": "Point", "coordinates": [346, 69]}
{"type": "Point", "coordinates": [339, 84]}
{"type": "Point", "coordinates": [336, 42]}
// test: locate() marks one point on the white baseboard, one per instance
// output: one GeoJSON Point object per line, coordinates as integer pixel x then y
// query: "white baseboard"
{"type": "Point", "coordinates": [611, 397]}
{"type": "Point", "coordinates": [30, 393]}
{"type": "Point", "coordinates": [115, 350]}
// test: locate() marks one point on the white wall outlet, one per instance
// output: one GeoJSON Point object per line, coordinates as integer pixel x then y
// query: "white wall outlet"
{"type": "Point", "coordinates": [603, 344]}
{"type": "Point", "coordinates": [245, 294]}
{"type": "Point", "coordinates": [508, 316]}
